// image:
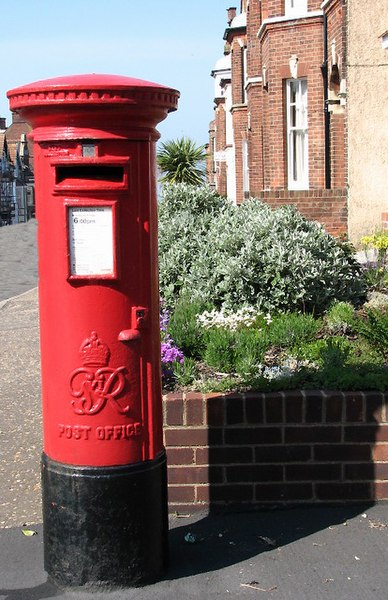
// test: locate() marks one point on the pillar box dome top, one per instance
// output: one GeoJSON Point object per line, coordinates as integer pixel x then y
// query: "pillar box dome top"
{"type": "Point", "coordinates": [89, 93]}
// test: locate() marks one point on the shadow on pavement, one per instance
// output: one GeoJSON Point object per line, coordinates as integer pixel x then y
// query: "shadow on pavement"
{"type": "Point", "coordinates": [226, 539]}
{"type": "Point", "coordinates": [45, 590]}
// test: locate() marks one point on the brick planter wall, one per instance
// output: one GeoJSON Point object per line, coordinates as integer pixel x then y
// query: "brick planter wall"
{"type": "Point", "coordinates": [279, 448]}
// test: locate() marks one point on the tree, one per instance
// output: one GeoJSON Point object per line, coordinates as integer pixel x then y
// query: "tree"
{"type": "Point", "coordinates": [181, 161]}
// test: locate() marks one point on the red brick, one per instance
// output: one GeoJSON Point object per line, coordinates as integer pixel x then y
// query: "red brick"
{"type": "Point", "coordinates": [274, 408]}
{"type": "Point", "coordinates": [181, 493]}
{"type": "Point", "coordinates": [194, 411]}
{"type": "Point", "coordinates": [294, 407]}
{"type": "Point", "coordinates": [326, 433]}
{"type": "Point", "coordinates": [174, 411]}
{"type": "Point", "coordinates": [215, 410]}
{"type": "Point", "coordinates": [382, 433]}
{"type": "Point", "coordinates": [253, 435]}
{"type": "Point", "coordinates": [234, 410]}
{"type": "Point", "coordinates": [343, 452]}
{"type": "Point", "coordinates": [201, 456]}
{"type": "Point", "coordinates": [202, 493]}
{"type": "Point", "coordinates": [380, 452]}
{"type": "Point", "coordinates": [230, 455]}
{"type": "Point", "coordinates": [282, 454]}
{"type": "Point", "coordinates": [381, 470]}
{"type": "Point", "coordinates": [314, 407]}
{"type": "Point", "coordinates": [254, 473]}
{"type": "Point", "coordinates": [254, 409]}
{"type": "Point", "coordinates": [354, 407]}
{"type": "Point", "coordinates": [344, 491]}
{"type": "Point", "coordinates": [334, 408]}
{"type": "Point", "coordinates": [381, 490]}
{"type": "Point", "coordinates": [374, 403]}
{"type": "Point", "coordinates": [360, 472]}
{"type": "Point", "coordinates": [184, 475]}
{"type": "Point", "coordinates": [313, 472]}
{"type": "Point", "coordinates": [360, 433]}
{"type": "Point", "coordinates": [180, 456]}
{"type": "Point", "coordinates": [189, 436]}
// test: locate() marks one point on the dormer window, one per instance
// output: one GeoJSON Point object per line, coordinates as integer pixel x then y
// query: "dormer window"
{"type": "Point", "coordinates": [295, 8]}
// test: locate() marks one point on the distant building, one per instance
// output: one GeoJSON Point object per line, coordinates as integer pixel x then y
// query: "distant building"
{"type": "Point", "coordinates": [16, 173]}
{"type": "Point", "coordinates": [299, 96]}
{"type": "Point", "coordinates": [7, 196]}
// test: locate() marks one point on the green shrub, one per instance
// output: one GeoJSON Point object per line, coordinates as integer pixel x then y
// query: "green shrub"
{"type": "Point", "coordinates": [311, 351]}
{"type": "Point", "coordinates": [340, 318]}
{"type": "Point", "coordinates": [250, 348]}
{"type": "Point", "coordinates": [220, 350]}
{"type": "Point", "coordinates": [375, 329]}
{"type": "Point", "coordinates": [335, 353]}
{"type": "Point", "coordinates": [185, 329]}
{"type": "Point", "coordinates": [186, 372]}
{"type": "Point", "coordinates": [231, 255]}
{"type": "Point", "coordinates": [293, 330]}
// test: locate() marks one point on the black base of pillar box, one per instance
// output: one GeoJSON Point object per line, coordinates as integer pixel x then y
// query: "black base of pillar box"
{"type": "Point", "coordinates": [105, 526]}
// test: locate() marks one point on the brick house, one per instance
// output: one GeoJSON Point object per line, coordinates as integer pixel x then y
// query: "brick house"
{"type": "Point", "coordinates": [20, 150]}
{"type": "Point", "coordinates": [16, 172]}
{"type": "Point", "coordinates": [6, 179]}
{"type": "Point", "coordinates": [281, 130]}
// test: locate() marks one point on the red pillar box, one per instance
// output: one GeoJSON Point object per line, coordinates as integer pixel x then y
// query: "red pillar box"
{"type": "Point", "coordinates": [103, 465]}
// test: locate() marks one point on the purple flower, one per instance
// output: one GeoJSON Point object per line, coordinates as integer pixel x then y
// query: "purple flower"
{"type": "Point", "coordinates": [170, 353]}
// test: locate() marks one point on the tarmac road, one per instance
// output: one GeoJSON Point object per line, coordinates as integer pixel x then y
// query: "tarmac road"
{"type": "Point", "coordinates": [305, 553]}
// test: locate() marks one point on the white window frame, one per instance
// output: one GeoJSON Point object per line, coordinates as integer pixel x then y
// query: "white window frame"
{"type": "Point", "coordinates": [295, 8]}
{"type": "Point", "coordinates": [245, 168]}
{"type": "Point", "coordinates": [297, 134]}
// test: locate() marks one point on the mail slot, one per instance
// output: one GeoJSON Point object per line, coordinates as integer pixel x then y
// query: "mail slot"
{"type": "Point", "coordinates": [85, 174]}
{"type": "Point", "coordinates": [103, 464]}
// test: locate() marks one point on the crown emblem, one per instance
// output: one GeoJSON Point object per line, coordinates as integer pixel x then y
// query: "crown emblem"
{"type": "Point", "coordinates": [94, 352]}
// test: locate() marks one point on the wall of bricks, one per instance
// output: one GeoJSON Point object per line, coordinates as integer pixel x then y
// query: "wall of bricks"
{"type": "Point", "coordinates": [251, 450]}
{"type": "Point", "coordinates": [328, 207]}
{"type": "Point", "coordinates": [384, 221]}
{"type": "Point", "coordinates": [279, 42]}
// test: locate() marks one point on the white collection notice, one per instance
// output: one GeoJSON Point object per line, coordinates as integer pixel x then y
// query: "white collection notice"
{"type": "Point", "coordinates": [91, 240]}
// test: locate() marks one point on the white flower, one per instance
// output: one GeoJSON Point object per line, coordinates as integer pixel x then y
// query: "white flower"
{"type": "Point", "coordinates": [246, 316]}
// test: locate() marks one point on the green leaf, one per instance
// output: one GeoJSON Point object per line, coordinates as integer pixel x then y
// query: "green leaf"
{"type": "Point", "coordinates": [29, 532]}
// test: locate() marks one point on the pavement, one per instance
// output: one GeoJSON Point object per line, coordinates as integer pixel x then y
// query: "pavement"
{"type": "Point", "coordinates": [301, 553]}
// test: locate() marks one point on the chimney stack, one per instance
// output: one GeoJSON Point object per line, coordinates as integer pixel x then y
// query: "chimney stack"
{"type": "Point", "coordinates": [231, 14]}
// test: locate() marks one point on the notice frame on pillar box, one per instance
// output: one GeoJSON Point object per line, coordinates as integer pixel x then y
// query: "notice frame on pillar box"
{"type": "Point", "coordinates": [91, 240]}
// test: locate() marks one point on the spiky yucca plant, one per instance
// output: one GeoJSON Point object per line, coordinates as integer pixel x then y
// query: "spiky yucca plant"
{"type": "Point", "coordinates": [181, 161]}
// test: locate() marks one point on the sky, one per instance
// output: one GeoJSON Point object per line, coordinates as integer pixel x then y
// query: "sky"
{"type": "Point", "coordinates": [171, 42]}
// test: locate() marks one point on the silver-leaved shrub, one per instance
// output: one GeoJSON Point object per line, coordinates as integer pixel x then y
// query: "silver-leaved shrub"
{"type": "Point", "coordinates": [229, 256]}
{"type": "Point", "coordinates": [186, 213]}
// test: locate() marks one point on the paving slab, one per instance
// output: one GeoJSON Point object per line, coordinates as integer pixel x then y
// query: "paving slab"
{"type": "Point", "coordinates": [18, 259]}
